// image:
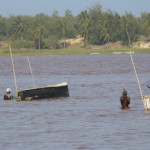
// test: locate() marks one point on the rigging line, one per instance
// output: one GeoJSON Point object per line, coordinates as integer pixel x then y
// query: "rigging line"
{"type": "Point", "coordinates": [136, 76]}
{"type": "Point", "coordinates": [31, 72]}
{"type": "Point", "coordinates": [13, 69]}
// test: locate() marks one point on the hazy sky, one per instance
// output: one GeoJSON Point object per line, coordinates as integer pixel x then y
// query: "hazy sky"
{"type": "Point", "coordinates": [33, 7]}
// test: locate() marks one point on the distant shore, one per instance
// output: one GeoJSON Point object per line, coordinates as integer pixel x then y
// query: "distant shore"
{"type": "Point", "coordinates": [70, 51]}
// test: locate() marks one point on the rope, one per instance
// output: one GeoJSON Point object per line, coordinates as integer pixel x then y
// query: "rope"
{"type": "Point", "coordinates": [137, 77]}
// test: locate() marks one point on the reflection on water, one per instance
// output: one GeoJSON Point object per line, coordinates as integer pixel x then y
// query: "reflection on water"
{"type": "Point", "coordinates": [91, 118]}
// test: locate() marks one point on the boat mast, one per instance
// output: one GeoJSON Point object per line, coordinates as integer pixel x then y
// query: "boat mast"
{"type": "Point", "coordinates": [13, 69]}
{"type": "Point", "coordinates": [31, 72]}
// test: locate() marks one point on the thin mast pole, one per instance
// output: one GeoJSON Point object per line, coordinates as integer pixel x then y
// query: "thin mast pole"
{"type": "Point", "coordinates": [136, 77]}
{"type": "Point", "coordinates": [13, 68]}
{"type": "Point", "coordinates": [31, 72]}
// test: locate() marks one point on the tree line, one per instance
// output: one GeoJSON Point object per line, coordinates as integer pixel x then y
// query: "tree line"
{"type": "Point", "coordinates": [96, 26]}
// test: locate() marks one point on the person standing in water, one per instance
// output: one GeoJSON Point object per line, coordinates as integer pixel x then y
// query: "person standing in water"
{"type": "Point", "coordinates": [7, 95]}
{"type": "Point", "coordinates": [124, 99]}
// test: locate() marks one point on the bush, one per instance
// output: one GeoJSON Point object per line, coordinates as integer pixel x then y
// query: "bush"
{"type": "Point", "coordinates": [22, 44]}
{"type": "Point", "coordinates": [51, 43]}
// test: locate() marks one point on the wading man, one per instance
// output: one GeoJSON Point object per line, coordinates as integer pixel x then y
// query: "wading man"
{"type": "Point", "coordinates": [124, 100]}
{"type": "Point", "coordinates": [7, 95]}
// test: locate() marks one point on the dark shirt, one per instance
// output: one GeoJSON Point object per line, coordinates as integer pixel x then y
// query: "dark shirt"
{"type": "Point", "coordinates": [125, 101]}
{"type": "Point", "coordinates": [8, 96]}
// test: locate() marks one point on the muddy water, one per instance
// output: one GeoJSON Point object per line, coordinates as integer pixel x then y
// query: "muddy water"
{"type": "Point", "coordinates": [90, 118]}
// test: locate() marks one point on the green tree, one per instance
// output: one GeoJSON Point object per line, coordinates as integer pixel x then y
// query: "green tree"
{"type": "Point", "coordinates": [95, 15]}
{"type": "Point", "coordinates": [3, 28]}
{"type": "Point", "coordinates": [20, 30]}
{"type": "Point", "coordinates": [125, 26]}
{"type": "Point", "coordinates": [84, 22]}
{"type": "Point", "coordinates": [71, 24]}
{"type": "Point", "coordinates": [104, 29]}
{"type": "Point", "coordinates": [62, 29]}
{"type": "Point", "coordinates": [130, 27]}
{"type": "Point", "coordinates": [38, 33]}
{"type": "Point", "coordinates": [146, 22]}
{"type": "Point", "coordinates": [115, 27]}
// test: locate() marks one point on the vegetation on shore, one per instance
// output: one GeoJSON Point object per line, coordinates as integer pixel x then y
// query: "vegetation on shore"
{"type": "Point", "coordinates": [95, 26]}
{"type": "Point", "coordinates": [82, 51]}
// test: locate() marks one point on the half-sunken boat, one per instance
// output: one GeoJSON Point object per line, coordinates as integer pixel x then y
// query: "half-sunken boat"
{"type": "Point", "coordinates": [50, 91]}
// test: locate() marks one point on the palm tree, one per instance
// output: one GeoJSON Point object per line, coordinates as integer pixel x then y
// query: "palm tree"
{"type": "Point", "coordinates": [146, 24]}
{"type": "Point", "coordinates": [20, 30]}
{"type": "Point", "coordinates": [62, 28]}
{"type": "Point", "coordinates": [125, 25]}
{"type": "Point", "coordinates": [104, 35]}
{"type": "Point", "coordinates": [84, 22]}
{"type": "Point", "coordinates": [38, 33]}
{"type": "Point", "coordinates": [104, 29]}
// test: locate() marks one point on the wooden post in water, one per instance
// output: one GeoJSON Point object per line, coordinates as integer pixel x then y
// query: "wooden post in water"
{"type": "Point", "coordinates": [13, 69]}
{"type": "Point", "coordinates": [122, 85]}
{"type": "Point", "coordinates": [31, 72]}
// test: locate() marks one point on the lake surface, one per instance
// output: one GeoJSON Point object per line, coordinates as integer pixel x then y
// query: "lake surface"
{"type": "Point", "coordinates": [91, 118]}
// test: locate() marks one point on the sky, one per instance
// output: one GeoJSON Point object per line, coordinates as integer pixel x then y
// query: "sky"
{"type": "Point", "coordinates": [33, 7]}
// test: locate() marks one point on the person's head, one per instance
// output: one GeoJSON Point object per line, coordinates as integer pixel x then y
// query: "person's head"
{"type": "Point", "coordinates": [124, 92]}
{"type": "Point", "coordinates": [8, 90]}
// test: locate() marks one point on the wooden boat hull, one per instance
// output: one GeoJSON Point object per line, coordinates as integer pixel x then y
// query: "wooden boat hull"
{"type": "Point", "coordinates": [50, 91]}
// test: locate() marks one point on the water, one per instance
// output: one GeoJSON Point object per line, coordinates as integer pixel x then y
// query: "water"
{"type": "Point", "coordinates": [91, 118]}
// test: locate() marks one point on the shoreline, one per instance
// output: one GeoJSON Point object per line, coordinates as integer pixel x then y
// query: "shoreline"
{"type": "Point", "coordinates": [70, 51]}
